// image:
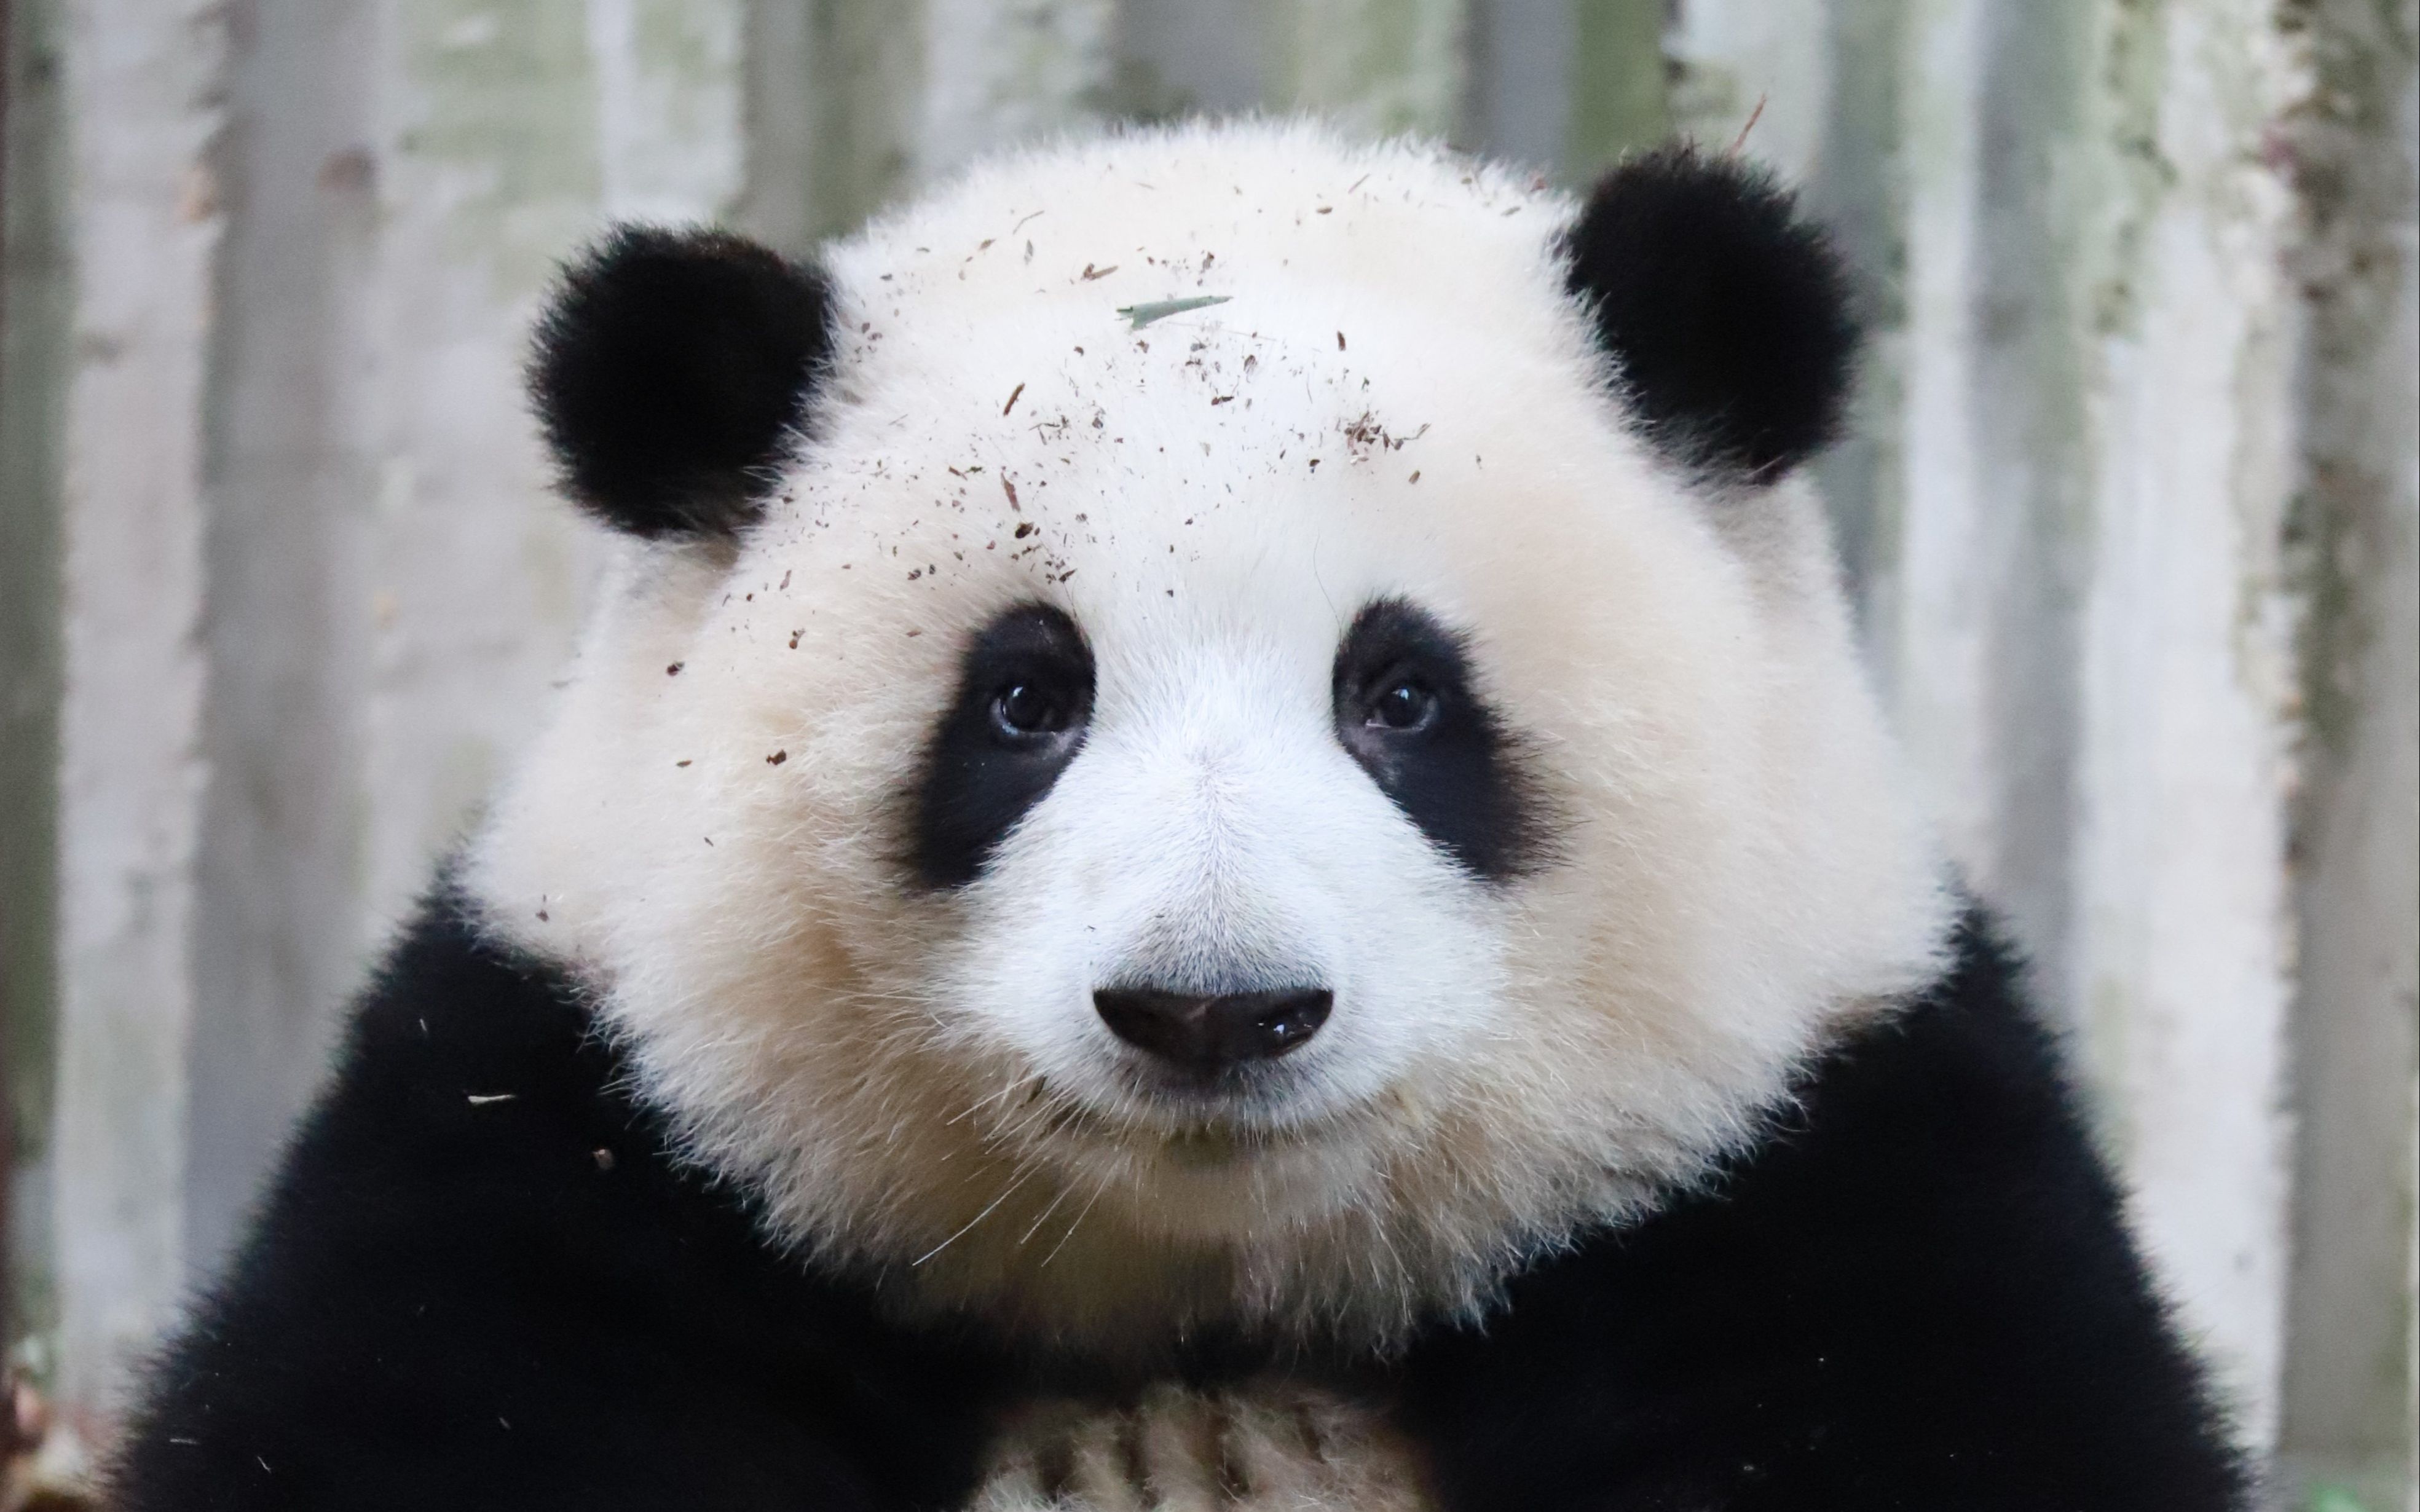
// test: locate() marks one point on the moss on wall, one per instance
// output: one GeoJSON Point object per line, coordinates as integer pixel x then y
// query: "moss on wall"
{"type": "Point", "coordinates": [34, 312]}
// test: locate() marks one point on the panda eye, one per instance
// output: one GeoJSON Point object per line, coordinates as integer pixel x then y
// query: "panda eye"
{"type": "Point", "coordinates": [1015, 717]}
{"type": "Point", "coordinates": [1023, 711]}
{"type": "Point", "coordinates": [1411, 710]}
{"type": "Point", "coordinates": [1404, 705]}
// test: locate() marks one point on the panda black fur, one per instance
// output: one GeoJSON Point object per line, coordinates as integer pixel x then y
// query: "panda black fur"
{"type": "Point", "coordinates": [1288, 903]}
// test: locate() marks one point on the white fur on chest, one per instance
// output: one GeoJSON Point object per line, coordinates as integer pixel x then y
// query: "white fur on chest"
{"type": "Point", "coordinates": [1258, 1448]}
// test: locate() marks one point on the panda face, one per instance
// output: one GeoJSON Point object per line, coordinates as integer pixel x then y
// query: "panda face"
{"type": "Point", "coordinates": [1215, 878]}
{"type": "Point", "coordinates": [1268, 812]}
{"type": "Point", "coordinates": [1243, 910]}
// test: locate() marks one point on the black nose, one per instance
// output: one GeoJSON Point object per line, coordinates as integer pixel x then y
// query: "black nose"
{"type": "Point", "coordinates": [1204, 1032]}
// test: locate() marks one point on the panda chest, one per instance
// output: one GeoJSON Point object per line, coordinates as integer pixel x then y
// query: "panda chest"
{"type": "Point", "coordinates": [1266, 1445]}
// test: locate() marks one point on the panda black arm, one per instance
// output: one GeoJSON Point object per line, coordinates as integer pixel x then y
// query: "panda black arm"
{"type": "Point", "coordinates": [479, 1282]}
{"type": "Point", "coordinates": [1919, 1292]}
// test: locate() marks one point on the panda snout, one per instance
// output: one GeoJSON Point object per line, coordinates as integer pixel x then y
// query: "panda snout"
{"type": "Point", "coordinates": [1207, 1032]}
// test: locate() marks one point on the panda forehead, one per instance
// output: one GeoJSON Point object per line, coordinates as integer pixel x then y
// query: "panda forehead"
{"type": "Point", "coordinates": [1335, 378]}
{"type": "Point", "coordinates": [1397, 400]}
{"type": "Point", "coordinates": [1170, 497]}
{"type": "Point", "coordinates": [1066, 291]}
{"type": "Point", "coordinates": [1134, 221]}
{"type": "Point", "coordinates": [1175, 528]}
{"type": "Point", "coordinates": [1206, 452]}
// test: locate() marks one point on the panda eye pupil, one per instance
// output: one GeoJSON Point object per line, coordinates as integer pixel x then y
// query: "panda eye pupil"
{"type": "Point", "coordinates": [1021, 710]}
{"type": "Point", "coordinates": [1405, 704]}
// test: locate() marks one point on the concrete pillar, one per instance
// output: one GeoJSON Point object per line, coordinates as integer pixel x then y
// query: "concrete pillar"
{"type": "Point", "coordinates": [2091, 643]}
{"type": "Point", "coordinates": [2180, 957]}
{"type": "Point", "coordinates": [1616, 83]}
{"type": "Point", "coordinates": [1181, 57]}
{"type": "Point", "coordinates": [1520, 84]}
{"type": "Point", "coordinates": [998, 72]}
{"type": "Point", "coordinates": [1857, 187]}
{"type": "Point", "coordinates": [34, 312]}
{"type": "Point", "coordinates": [145, 79]}
{"type": "Point", "coordinates": [1728, 57]}
{"type": "Point", "coordinates": [834, 92]}
{"type": "Point", "coordinates": [276, 939]}
{"type": "Point", "coordinates": [669, 91]}
{"type": "Point", "coordinates": [489, 169]}
{"type": "Point", "coordinates": [2348, 1406]}
{"type": "Point", "coordinates": [1981, 661]}
{"type": "Point", "coordinates": [1376, 66]}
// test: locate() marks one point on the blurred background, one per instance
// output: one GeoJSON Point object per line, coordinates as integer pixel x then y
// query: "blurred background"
{"type": "Point", "coordinates": [2129, 514]}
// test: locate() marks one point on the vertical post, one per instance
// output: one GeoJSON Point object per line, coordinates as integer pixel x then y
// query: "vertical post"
{"type": "Point", "coordinates": [2354, 549]}
{"type": "Point", "coordinates": [9, 1007]}
{"type": "Point", "coordinates": [2181, 950]}
{"type": "Point", "coordinates": [1735, 61]}
{"type": "Point", "coordinates": [1181, 57]}
{"type": "Point", "coordinates": [33, 348]}
{"type": "Point", "coordinates": [669, 107]}
{"type": "Point", "coordinates": [2090, 655]}
{"type": "Point", "coordinates": [777, 61]}
{"type": "Point", "coordinates": [145, 83]}
{"type": "Point", "coordinates": [1857, 188]}
{"type": "Point", "coordinates": [867, 95]}
{"type": "Point", "coordinates": [997, 74]}
{"type": "Point", "coordinates": [1617, 90]}
{"type": "Point", "coordinates": [488, 172]}
{"type": "Point", "coordinates": [276, 927]}
{"type": "Point", "coordinates": [1377, 65]}
{"type": "Point", "coordinates": [1519, 79]}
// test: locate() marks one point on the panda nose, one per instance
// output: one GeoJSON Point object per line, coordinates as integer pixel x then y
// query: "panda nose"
{"type": "Point", "coordinates": [1206, 1032]}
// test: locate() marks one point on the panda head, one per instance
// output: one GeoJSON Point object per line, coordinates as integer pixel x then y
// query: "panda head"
{"type": "Point", "coordinates": [1215, 727]}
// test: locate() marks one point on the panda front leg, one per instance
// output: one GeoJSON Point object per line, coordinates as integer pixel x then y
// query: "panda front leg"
{"type": "Point", "coordinates": [1257, 1448]}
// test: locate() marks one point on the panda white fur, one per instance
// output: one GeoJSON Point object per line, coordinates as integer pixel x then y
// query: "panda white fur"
{"type": "Point", "coordinates": [1219, 843]}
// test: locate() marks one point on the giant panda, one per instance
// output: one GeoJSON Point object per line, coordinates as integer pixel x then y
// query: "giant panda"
{"type": "Point", "coordinates": [1218, 845]}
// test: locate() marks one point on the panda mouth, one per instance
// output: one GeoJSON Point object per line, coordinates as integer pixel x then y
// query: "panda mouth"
{"type": "Point", "coordinates": [1211, 1145]}
{"type": "Point", "coordinates": [1198, 1143]}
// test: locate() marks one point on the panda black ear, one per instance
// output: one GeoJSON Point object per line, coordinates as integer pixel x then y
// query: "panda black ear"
{"type": "Point", "coordinates": [1727, 313]}
{"type": "Point", "coordinates": [669, 372]}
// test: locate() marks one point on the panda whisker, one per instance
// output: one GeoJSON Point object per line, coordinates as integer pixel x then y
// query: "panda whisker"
{"type": "Point", "coordinates": [989, 1208]}
{"type": "Point", "coordinates": [981, 1104]}
{"type": "Point", "coordinates": [1041, 1110]}
{"type": "Point", "coordinates": [1037, 1226]}
{"type": "Point", "coordinates": [1099, 1190]}
{"type": "Point", "coordinates": [1013, 1124]}
{"type": "Point", "coordinates": [1023, 1127]}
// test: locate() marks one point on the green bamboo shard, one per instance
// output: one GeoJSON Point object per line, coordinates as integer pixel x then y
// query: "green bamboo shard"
{"type": "Point", "coordinates": [1143, 315]}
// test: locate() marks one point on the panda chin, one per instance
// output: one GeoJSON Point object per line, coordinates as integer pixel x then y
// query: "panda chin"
{"type": "Point", "coordinates": [1210, 1176]}
{"type": "Point", "coordinates": [1185, 1198]}
{"type": "Point", "coordinates": [1210, 1148]}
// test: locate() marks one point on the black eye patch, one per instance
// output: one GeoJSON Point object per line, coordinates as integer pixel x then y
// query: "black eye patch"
{"type": "Point", "coordinates": [1406, 710]}
{"type": "Point", "coordinates": [1023, 700]}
